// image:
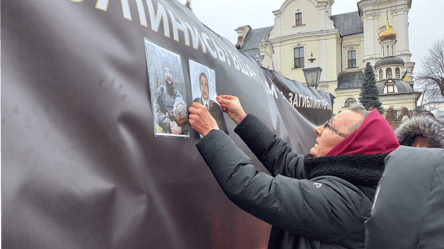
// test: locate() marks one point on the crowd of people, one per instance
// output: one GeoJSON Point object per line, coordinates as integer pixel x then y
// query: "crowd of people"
{"type": "Point", "coordinates": [361, 186]}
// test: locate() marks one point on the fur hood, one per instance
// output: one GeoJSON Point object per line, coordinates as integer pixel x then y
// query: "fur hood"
{"type": "Point", "coordinates": [427, 127]}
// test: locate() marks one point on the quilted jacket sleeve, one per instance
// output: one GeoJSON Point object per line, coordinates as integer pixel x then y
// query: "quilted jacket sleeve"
{"type": "Point", "coordinates": [275, 154]}
{"type": "Point", "coordinates": [325, 209]}
{"type": "Point", "coordinates": [408, 210]}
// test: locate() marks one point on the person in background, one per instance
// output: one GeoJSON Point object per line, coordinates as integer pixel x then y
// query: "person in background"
{"type": "Point", "coordinates": [316, 201]}
{"type": "Point", "coordinates": [408, 207]}
{"type": "Point", "coordinates": [421, 131]}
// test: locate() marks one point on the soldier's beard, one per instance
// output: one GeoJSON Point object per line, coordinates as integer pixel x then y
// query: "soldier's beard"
{"type": "Point", "coordinates": [170, 88]}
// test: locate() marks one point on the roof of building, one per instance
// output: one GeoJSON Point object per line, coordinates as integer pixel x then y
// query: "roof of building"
{"type": "Point", "coordinates": [350, 80]}
{"type": "Point", "coordinates": [389, 61]}
{"type": "Point", "coordinates": [348, 23]}
{"type": "Point", "coordinates": [250, 47]}
{"type": "Point", "coordinates": [402, 86]}
{"type": "Point", "coordinates": [254, 37]}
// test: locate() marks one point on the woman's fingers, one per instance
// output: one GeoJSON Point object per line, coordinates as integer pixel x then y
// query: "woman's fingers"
{"type": "Point", "coordinates": [227, 97]}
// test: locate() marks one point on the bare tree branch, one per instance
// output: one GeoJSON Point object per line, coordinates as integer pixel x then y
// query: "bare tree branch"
{"type": "Point", "coordinates": [431, 74]}
{"type": "Point", "coordinates": [188, 4]}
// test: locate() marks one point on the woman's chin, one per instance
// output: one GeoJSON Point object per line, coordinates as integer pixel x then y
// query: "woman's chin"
{"type": "Point", "coordinates": [313, 151]}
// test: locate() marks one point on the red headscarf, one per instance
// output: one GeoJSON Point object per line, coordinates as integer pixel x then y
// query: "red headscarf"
{"type": "Point", "coordinates": [374, 136]}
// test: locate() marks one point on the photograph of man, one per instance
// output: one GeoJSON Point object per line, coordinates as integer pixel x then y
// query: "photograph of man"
{"type": "Point", "coordinates": [167, 106]}
{"type": "Point", "coordinates": [202, 96]}
{"type": "Point", "coordinates": [167, 91]}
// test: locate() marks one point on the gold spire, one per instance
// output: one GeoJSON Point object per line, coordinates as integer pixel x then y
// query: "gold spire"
{"type": "Point", "coordinates": [388, 33]}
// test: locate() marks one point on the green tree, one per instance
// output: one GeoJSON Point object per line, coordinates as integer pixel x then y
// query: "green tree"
{"type": "Point", "coordinates": [369, 96]}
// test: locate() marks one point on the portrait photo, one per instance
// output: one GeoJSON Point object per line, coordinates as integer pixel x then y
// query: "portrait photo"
{"type": "Point", "coordinates": [167, 91]}
{"type": "Point", "coordinates": [203, 87]}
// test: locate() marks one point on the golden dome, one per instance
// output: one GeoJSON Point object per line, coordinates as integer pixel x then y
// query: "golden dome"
{"type": "Point", "coordinates": [388, 33]}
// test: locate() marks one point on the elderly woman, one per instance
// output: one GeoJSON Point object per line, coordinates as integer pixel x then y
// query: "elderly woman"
{"type": "Point", "coordinates": [315, 201]}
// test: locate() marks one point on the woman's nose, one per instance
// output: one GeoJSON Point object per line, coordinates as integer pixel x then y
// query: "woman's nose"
{"type": "Point", "coordinates": [319, 130]}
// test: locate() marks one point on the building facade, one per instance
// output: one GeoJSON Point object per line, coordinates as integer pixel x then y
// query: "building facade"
{"type": "Point", "coordinates": [377, 32]}
{"type": "Point", "coordinates": [432, 101]}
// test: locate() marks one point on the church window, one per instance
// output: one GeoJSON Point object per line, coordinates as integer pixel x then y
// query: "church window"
{"type": "Point", "coordinates": [397, 73]}
{"type": "Point", "coordinates": [390, 86]}
{"type": "Point", "coordinates": [298, 19]}
{"type": "Point", "coordinates": [349, 102]}
{"type": "Point", "coordinates": [351, 55]}
{"type": "Point", "coordinates": [298, 57]}
{"type": "Point", "coordinates": [388, 73]}
{"type": "Point", "coordinates": [380, 74]}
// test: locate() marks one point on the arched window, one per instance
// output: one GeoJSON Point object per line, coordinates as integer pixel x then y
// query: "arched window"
{"type": "Point", "coordinates": [380, 74]}
{"type": "Point", "coordinates": [349, 102]}
{"type": "Point", "coordinates": [388, 73]}
{"type": "Point", "coordinates": [388, 53]}
{"type": "Point", "coordinates": [397, 73]}
{"type": "Point", "coordinates": [390, 86]}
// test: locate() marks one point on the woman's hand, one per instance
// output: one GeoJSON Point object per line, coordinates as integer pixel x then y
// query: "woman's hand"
{"type": "Point", "coordinates": [232, 106]}
{"type": "Point", "coordinates": [200, 119]}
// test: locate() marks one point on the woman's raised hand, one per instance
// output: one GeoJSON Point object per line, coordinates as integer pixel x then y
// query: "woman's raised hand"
{"type": "Point", "coordinates": [232, 106]}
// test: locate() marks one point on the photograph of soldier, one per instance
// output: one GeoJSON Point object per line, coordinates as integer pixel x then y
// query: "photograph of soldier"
{"type": "Point", "coordinates": [203, 85]}
{"type": "Point", "coordinates": [167, 89]}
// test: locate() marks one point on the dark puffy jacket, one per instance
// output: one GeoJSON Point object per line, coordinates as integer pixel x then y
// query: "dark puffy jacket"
{"type": "Point", "coordinates": [323, 211]}
{"type": "Point", "coordinates": [409, 207]}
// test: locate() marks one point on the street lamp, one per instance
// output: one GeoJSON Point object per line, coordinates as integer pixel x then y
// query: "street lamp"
{"type": "Point", "coordinates": [312, 73]}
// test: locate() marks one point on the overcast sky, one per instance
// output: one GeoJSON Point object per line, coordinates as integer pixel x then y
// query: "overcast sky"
{"type": "Point", "coordinates": [426, 19]}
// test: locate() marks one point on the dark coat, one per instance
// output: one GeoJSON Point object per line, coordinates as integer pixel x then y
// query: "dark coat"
{"type": "Point", "coordinates": [409, 207]}
{"type": "Point", "coordinates": [311, 202]}
{"type": "Point", "coordinates": [216, 112]}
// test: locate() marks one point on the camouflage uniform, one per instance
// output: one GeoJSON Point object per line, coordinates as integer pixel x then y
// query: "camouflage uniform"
{"type": "Point", "coordinates": [166, 97]}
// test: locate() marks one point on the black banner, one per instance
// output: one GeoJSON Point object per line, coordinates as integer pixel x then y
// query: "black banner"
{"type": "Point", "coordinates": [91, 157]}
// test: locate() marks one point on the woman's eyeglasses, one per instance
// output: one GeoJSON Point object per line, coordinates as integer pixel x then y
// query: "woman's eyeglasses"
{"type": "Point", "coordinates": [327, 125]}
